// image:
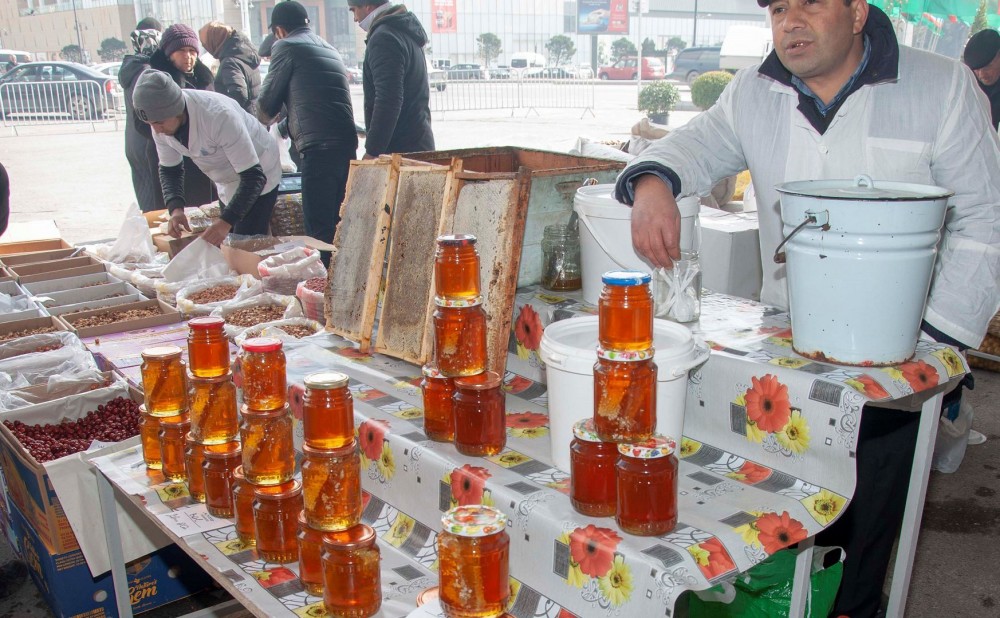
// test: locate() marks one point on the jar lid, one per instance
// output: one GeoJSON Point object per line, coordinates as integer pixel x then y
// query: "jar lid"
{"type": "Point", "coordinates": [628, 356]}
{"type": "Point", "coordinates": [262, 344]}
{"type": "Point", "coordinates": [162, 352]}
{"type": "Point", "coordinates": [226, 377]}
{"type": "Point", "coordinates": [170, 417]}
{"type": "Point", "coordinates": [657, 446]}
{"type": "Point", "coordinates": [287, 489]}
{"type": "Point", "coordinates": [456, 240]}
{"type": "Point", "coordinates": [479, 382]}
{"type": "Point", "coordinates": [175, 421]}
{"type": "Point", "coordinates": [238, 474]}
{"type": "Point", "coordinates": [360, 536]}
{"type": "Point", "coordinates": [626, 277]}
{"type": "Point", "coordinates": [206, 322]}
{"type": "Point", "coordinates": [458, 303]}
{"type": "Point", "coordinates": [227, 450]}
{"type": "Point", "coordinates": [431, 371]}
{"type": "Point", "coordinates": [190, 441]}
{"type": "Point", "coordinates": [584, 430]}
{"type": "Point", "coordinates": [326, 380]}
{"type": "Point", "coordinates": [474, 520]}
{"type": "Point", "coordinates": [340, 451]}
{"type": "Point", "coordinates": [245, 410]}
{"type": "Point", "coordinates": [431, 594]}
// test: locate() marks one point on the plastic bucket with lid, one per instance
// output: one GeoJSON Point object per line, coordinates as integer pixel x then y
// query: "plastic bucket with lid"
{"type": "Point", "coordinates": [569, 349]}
{"type": "Point", "coordinates": [606, 235]}
{"type": "Point", "coordinates": [859, 256]}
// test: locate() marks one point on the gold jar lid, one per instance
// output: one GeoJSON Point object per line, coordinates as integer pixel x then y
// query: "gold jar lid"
{"type": "Point", "coordinates": [288, 489]}
{"type": "Point", "coordinates": [340, 451]}
{"type": "Point", "coordinates": [326, 380]}
{"type": "Point", "coordinates": [198, 381]}
{"type": "Point", "coordinates": [226, 450]}
{"type": "Point", "coordinates": [163, 352]}
{"type": "Point", "coordinates": [360, 536]}
{"type": "Point", "coordinates": [479, 382]}
{"type": "Point", "coordinates": [248, 411]}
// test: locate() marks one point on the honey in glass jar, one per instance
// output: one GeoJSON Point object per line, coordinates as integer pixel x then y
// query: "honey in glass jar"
{"type": "Point", "coordinates": [243, 508]}
{"type": "Point", "coordinates": [262, 362]}
{"type": "Point", "coordinates": [149, 435]}
{"type": "Point", "coordinates": [268, 451]}
{"type": "Point", "coordinates": [173, 432]}
{"type": "Point", "coordinates": [327, 410]}
{"type": "Point", "coordinates": [625, 311]}
{"type": "Point", "coordinates": [194, 457]}
{"type": "Point", "coordinates": [456, 267]}
{"type": "Point", "coordinates": [352, 575]}
{"type": "Point", "coordinates": [473, 554]}
{"type": "Point", "coordinates": [213, 409]}
{"type": "Point", "coordinates": [593, 486]}
{"type": "Point", "coordinates": [276, 511]}
{"type": "Point", "coordinates": [331, 487]}
{"type": "Point", "coordinates": [310, 557]}
{"type": "Point", "coordinates": [221, 461]}
{"type": "Point", "coordinates": [208, 348]}
{"type": "Point", "coordinates": [163, 380]}
{"type": "Point", "coordinates": [480, 415]}
{"type": "Point", "coordinates": [647, 487]}
{"type": "Point", "coordinates": [624, 396]}
{"type": "Point", "coordinates": [459, 337]}
{"type": "Point", "coordinates": [439, 417]}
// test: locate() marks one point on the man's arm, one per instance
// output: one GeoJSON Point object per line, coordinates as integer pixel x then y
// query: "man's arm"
{"type": "Point", "coordinates": [172, 185]}
{"type": "Point", "coordinates": [386, 59]}
{"type": "Point", "coordinates": [274, 91]}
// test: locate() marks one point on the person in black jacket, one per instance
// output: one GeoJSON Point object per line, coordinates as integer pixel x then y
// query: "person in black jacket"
{"type": "Point", "coordinates": [139, 148]}
{"type": "Point", "coordinates": [982, 55]}
{"type": "Point", "coordinates": [238, 75]}
{"type": "Point", "coordinates": [308, 77]}
{"type": "Point", "coordinates": [397, 95]}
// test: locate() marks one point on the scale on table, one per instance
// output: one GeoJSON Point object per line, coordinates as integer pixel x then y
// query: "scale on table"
{"type": "Point", "coordinates": [291, 182]}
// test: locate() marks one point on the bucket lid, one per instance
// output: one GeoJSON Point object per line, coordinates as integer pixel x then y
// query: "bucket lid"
{"type": "Point", "coordinates": [599, 201]}
{"type": "Point", "coordinates": [626, 277]}
{"type": "Point", "coordinates": [863, 188]}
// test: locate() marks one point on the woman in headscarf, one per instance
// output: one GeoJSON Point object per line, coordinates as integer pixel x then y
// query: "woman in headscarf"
{"type": "Point", "coordinates": [139, 148]}
{"type": "Point", "coordinates": [238, 75]}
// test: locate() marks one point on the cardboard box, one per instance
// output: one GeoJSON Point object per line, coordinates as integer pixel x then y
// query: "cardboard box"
{"type": "Point", "coordinates": [90, 305]}
{"type": "Point", "coordinates": [39, 235]}
{"type": "Point", "coordinates": [172, 246]}
{"type": "Point", "coordinates": [23, 270]}
{"type": "Point", "coordinates": [33, 257]}
{"type": "Point", "coordinates": [122, 352]}
{"type": "Point", "coordinates": [16, 325]}
{"type": "Point", "coordinates": [730, 253]}
{"type": "Point", "coordinates": [25, 314]}
{"type": "Point", "coordinates": [11, 288]}
{"type": "Point", "coordinates": [67, 273]}
{"type": "Point", "coordinates": [80, 282]}
{"type": "Point", "coordinates": [102, 291]}
{"type": "Point", "coordinates": [167, 315]}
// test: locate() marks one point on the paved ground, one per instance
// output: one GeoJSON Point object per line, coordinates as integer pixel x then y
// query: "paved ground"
{"type": "Point", "coordinates": [81, 181]}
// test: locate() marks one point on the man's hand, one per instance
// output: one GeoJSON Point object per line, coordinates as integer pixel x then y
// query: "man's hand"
{"type": "Point", "coordinates": [178, 221]}
{"type": "Point", "coordinates": [656, 221]}
{"type": "Point", "coordinates": [367, 157]}
{"type": "Point", "coordinates": [217, 232]}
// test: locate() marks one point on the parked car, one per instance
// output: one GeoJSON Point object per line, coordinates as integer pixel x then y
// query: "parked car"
{"type": "Point", "coordinates": [436, 78]}
{"type": "Point", "coordinates": [693, 61]}
{"type": "Point", "coordinates": [628, 68]}
{"type": "Point", "coordinates": [466, 71]}
{"type": "Point", "coordinates": [500, 73]}
{"type": "Point", "coordinates": [354, 75]}
{"type": "Point", "coordinates": [108, 68]}
{"type": "Point", "coordinates": [54, 87]}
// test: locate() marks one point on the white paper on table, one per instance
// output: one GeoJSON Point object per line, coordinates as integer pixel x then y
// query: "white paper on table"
{"type": "Point", "coordinates": [119, 468]}
{"type": "Point", "coordinates": [191, 519]}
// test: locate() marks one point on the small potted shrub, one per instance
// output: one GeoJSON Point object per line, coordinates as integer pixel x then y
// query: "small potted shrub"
{"type": "Point", "coordinates": [707, 89]}
{"type": "Point", "coordinates": [657, 100]}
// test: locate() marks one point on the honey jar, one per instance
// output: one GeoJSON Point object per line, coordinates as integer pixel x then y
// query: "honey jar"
{"type": "Point", "coordinates": [208, 348]}
{"type": "Point", "coordinates": [276, 511]}
{"type": "Point", "coordinates": [149, 436]}
{"type": "Point", "coordinates": [331, 487]}
{"type": "Point", "coordinates": [262, 362]}
{"type": "Point", "coordinates": [480, 415]}
{"type": "Point", "coordinates": [593, 486]}
{"type": "Point", "coordinates": [352, 576]}
{"type": "Point", "coordinates": [173, 432]}
{"type": "Point", "coordinates": [268, 451]}
{"type": "Point", "coordinates": [221, 461]}
{"type": "Point", "coordinates": [213, 409]}
{"type": "Point", "coordinates": [243, 508]}
{"type": "Point", "coordinates": [327, 410]}
{"type": "Point", "coordinates": [456, 267]}
{"type": "Point", "coordinates": [473, 554]}
{"type": "Point", "coordinates": [647, 487]}
{"type": "Point", "coordinates": [459, 337]}
{"type": "Point", "coordinates": [625, 311]}
{"type": "Point", "coordinates": [194, 457]}
{"type": "Point", "coordinates": [439, 417]}
{"type": "Point", "coordinates": [625, 396]}
{"type": "Point", "coordinates": [163, 380]}
{"type": "Point", "coordinates": [310, 557]}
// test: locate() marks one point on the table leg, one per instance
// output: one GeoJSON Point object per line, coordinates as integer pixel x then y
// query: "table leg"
{"type": "Point", "coordinates": [802, 584]}
{"type": "Point", "coordinates": [930, 412]}
{"type": "Point", "coordinates": [109, 512]}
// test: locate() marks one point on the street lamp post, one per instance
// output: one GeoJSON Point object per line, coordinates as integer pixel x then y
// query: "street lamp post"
{"type": "Point", "coordinates": [79, 38]}
{"type": "Point", "coordinates": [694, 43]}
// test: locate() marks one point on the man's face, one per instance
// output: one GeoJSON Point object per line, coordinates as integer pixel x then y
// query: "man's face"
{"type": "Point", "coordinates": [360, 12]}
{"type": "Point", "coordinates": [184, 59]}
{"type": "Point", "coordinates": [168, 126]}
{"type": "Point", "coordinates": [989, 74]}
{"type": "Point", "coordinates": [813, 37]}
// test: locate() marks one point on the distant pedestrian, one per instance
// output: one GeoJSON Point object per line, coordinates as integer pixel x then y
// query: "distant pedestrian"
{"type": "Point", "coordinates": [238, 75]}
{"type": "Point", "coordinates": [982, 55]}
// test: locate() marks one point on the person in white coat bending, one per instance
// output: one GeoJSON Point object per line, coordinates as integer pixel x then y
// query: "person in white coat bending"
{"type": "Point", "coordinates": [229, 145]}
{"type": "Point", "coordinates": [836, 98]}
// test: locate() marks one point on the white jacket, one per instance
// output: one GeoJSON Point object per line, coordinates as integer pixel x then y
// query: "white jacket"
{"type": "Point", "coordinates": [929, 126]}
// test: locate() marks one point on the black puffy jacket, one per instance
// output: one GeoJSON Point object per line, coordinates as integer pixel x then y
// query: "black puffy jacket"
{"type": "Point", "coordinates": [307, 75]}
{"type": "Point", "coordinates": [238, 75]}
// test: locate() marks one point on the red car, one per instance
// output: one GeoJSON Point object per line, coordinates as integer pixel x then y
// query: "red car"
{"type": "Point", "coordinates": [627, 68]}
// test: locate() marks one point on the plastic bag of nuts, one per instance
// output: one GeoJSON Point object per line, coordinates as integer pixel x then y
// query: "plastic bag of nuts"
{"type": "Point", "coordinates": [257, 310]}
{"type": "Point", "coordinates": [311, 294]}
{"type": "Point", "coordinates": [202, 297]}
{"type": "Point", "coordinates": [290, 328]}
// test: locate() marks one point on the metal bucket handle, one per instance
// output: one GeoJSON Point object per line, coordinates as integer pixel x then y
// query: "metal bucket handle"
{"type": "Point", "coordinates": [818, 218]}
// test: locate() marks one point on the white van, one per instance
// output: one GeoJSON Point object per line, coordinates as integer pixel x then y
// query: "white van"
{"type": "Point", "coordinates": [527, 60]}
{"type": "Point", "coordinates": [744, 46]}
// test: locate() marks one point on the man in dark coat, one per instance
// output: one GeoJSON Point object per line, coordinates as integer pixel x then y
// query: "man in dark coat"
{"type": "Point", "coordinates": [397, 95]}
{"type": "Point", "coordinates": [982, 55]}
{"type": "Point", "coordinates": [238, 75]}
{"type": "Point", "coordinates": [139, 148]}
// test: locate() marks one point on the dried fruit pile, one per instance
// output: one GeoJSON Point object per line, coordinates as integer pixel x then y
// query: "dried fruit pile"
{"type": "Point", "coordinates": [17, 334]}
{"type": "Point", "coordinates": [252, 316]}
{"type": "Point", "coordinates": [113, 317]}
{"type": "Point", "coordinates": [114, 421]}
{"type": "Point", "coordinates": [299, 331]}
{"type": "Point", "coordinates": [316, 284]}
{"type": "Point", "coordinates": [214, 294]}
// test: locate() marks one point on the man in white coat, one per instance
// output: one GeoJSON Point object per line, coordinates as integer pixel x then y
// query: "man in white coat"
{"type": "Point", "coordinates": [229, 145]}
{"type": "Point", "coordinates": [836, 98]}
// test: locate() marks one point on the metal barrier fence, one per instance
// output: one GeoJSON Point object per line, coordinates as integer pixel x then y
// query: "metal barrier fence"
{"type": "Point", "coordinates": [513, 93]}
{"type": "Point", "coordinates": [24, 104]}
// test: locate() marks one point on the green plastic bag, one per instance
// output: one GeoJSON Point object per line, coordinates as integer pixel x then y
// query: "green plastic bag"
{"type": "Point", "coordinates": [765, 591]}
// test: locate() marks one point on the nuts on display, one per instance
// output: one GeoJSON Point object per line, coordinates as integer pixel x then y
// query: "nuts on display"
{"type": "Point", "coordinates": [214, 294]}
{"type": "Point", "coordinates": [252, 316]}
{"type": "Point", "coordinates": [17, 334]}
{"type": "Point", "coordinates": [113, 317]}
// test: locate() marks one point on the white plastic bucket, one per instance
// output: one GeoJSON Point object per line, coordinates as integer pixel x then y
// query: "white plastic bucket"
{"type": "Point", "coordinates": [606, 235]}
{"type": "Point", "coordinates": [569, 349]}
{"type": "Point", "coordinates": [860, 266]}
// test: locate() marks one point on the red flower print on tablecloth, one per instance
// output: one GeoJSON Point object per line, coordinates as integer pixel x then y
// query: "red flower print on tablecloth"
{"type": "Point", "coordinates": [517, 384]}
{"type": "Point", "coordinates": [779, 531]}
{"type": "Point", "coordinates": [526, 420]}
{"type": "Point", "coordinates": [767, 403]}
{"type": "Point", "coordinates": [371, 436]}
{"type": "Point", "coordinates": [872, 389]}
{"type": "Point", "coordinates": [565, 613]}
{"type": "Point", "coordinates": [296, 394]}
{"type": "Point", "coordinates": [750, 473]}
{"type": "Point", "coordinates": [528, 328]}
{"type": "Point", "coordinates": [712, 558]}
{"type": "Point", "coordinates": [920, 375]}
{"type": "Point", "coordinates": [468, 483]}
{"type": "Point", "coordinates": [272, 577]}
{"type": "Point", "coordinates": [593, 549]}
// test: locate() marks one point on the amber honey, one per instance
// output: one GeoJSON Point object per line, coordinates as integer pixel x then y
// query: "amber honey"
{"type": "Point", "coordinates": [473, 554]}
{"type": "Point", "coordinates": [163, 380]}
{"type": "Point", "coordinates": [310, 557]}
{"type": "Point", "coordinates": [593, 488]}
{"type": "Point", "coordinates": [624, 399]}
{"type": "Point", "coordinates": [268, 451]}
{"type": "Point", "coordinates": [173, 432]}
{"type": "Point", "coordinates": [194, 457]}
{"type": "Point", "coordinates": [221, 461]}
{"type": "Point", "coordinates": [480, 415]}
{"type": "Point", "coordinates": [262, 362]}
{"type": "Point", "coordinates": [276, 511]}
{"type": "Point", "coordinates": [625, 312]}
{"type": "Point", "coordinates": [460, 339]}
{"type": "Point", "coordinates": [243, 508]}
{"type": "Point", "coordinates": [439, 415]}
{"type": "Point", "coordinates": [208, 348]}
{"type": "Point", "coordinates": [327, 410]}
{"type": "Point", "coordinates": [149, 435]}
{"type": "Point", "coordinates": [456, 267]}
{"type": "Point", "coordinates": [331, 487]}
{"type": "Point", "coordinates": [647, 487]}
{"type": "Point", "coordinates": [213, 409]}
{"type": "Point", "coordinates": [352, 575]}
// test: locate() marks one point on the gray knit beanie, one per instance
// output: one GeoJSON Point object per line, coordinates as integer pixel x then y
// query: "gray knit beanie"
{"type": "Point", "coordinates": [156, 97]}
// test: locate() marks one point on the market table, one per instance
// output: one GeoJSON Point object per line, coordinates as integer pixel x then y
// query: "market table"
{"type": "Point", "coordinates": [749, 484]}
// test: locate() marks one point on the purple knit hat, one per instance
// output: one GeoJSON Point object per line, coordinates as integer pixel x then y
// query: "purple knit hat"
{"type": "Point", "coordinates": [178, 36]}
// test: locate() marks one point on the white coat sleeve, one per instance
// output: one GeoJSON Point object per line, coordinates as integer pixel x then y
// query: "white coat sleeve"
{"type": "Point", "coordinates": [167, 156]}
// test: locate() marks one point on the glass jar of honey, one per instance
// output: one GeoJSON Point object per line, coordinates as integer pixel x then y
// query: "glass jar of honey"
{"type": "Point", "coordinates": [473, 554]}
{"type": "Point", "coordinates": [173, 432]}
{"type": "Point", "coordinates": [625, 311]}
{"type": "Point", "coordinates": [459, 337]}
{"type": "Point", "coordinates": [149, 436]}
{"type": "Point", "coordinates": [439, 417]}
{"type": "Point", "coordinates": [221, 461]}
{"type": "Point", "coordinates": [352, 576]}
{"type": "Point", "coordinates": [213, 409]}
{"type": "Point", "coordinates": [194, 457]}
{"type": "Point", "coordinates": [327, 410]}
{"type": "Point", "coordinates": [243, 508]}
{"type": "Point", "coordinates": [276, 511]}
{"type": "Point", "coordinates": [647, 487]}
{"type": "Point", "coordinates": [331, 487]}
{"type": "Point", "coordinates": [456, 267]}
{"type": "Point", "coordinates": [480, 414]}
{"type": "Point", "coordinates": [163, 380]}
{"type": "Point", "coordinates": [625, 396]}
{"type": "Point", "coordinates": [208, 348]}
{"type": "Point", "coordinates": [268, 450]}
{"type": "Point", "coordinates": [263, 365]}
{"type": "Point", "coordinates": [593, 486]}
{"type": "Point", "coordinates": [310, 557]}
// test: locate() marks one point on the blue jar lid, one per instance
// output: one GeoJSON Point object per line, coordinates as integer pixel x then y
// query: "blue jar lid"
{"type": "Point", "coordinates": [626, 277]}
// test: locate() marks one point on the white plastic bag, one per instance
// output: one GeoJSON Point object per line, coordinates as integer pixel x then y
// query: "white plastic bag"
{"type": "Point", "coordinates": [312, 301]}
{"type": "Point", "coordinates": [43, 342]}
{"type": "Point", "coordinates": [282, 273]}
{"type": "Point", "coordinates": [277, 329]}
{"type": "Point", "coordinates": [30, 369]}
{"type": "Point", "coordinates": [953, 438]}
{"type": "Point", "coordinates": [200, 259]}
{"type": "Point", "coordinates": [290, 303]}
{"type": "Point", "coordinates": [247, 287]}
{"type": "Point", "coordinates": [134, 243]}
